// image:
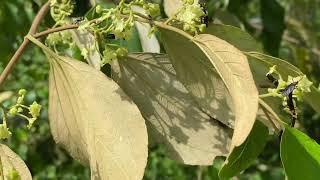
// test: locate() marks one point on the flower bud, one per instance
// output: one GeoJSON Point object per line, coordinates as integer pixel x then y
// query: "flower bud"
{"type": "Point", "coordinates": [4, 132]}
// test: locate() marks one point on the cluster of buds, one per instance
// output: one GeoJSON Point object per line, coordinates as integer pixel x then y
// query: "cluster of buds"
{"type": "Point", "coordinates": [117, 22]}
{"type": "Point", "coordinates": [18, 110]}
{"type": "Point", "coordinates": [190, 16]}
{"type": "Point", "coordinates": [61, 9]}
{"type": "Point", "coordinates": [296, 85]}
{"type": "Point", "coordinates": [63, 38]}
{"type": "Point", "coordinates": [113, 53]}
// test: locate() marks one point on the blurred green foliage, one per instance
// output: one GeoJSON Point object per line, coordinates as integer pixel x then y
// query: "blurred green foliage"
{"type": "Point", "coordinates": [288, 29]}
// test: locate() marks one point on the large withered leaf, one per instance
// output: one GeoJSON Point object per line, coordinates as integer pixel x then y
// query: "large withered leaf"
{"type": "Point", "coordinates": [233, 68]}
{"type": "Point", "coordinates": [199, 77]}
{"type": "Point", "coordinates": [10, 162]}
{"type": "Point", "coordinates": [94, 120]}
{"type": "Point", "coordinates": [173, 117]}
{"type": "Point", "coordinates": [245, 42]}
{"type": "Point", "coordinates": [197, 60]}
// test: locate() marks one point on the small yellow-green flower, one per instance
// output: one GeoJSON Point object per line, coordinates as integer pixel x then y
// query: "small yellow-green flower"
{"type": "Point", "coordinates": [191, 14]}
{"type": "Point", "coordinates": [152, 10]}
{"type": "Point", "coordinates": [272, 70]}
{"type": "Point", "coordinates": [84, 53]}
{"type": "Point", "coordinates": [13, 111]}
{"type": "Point", "coordinates": [34, 109]}
{"type": "Point", "coordinates": [304, 84]}
{"type": "Point", "coordinates": [22, 92]}
{"type": "Point", "coordinates": [121, 52]}
{"type": "Point", "coordinates": [4, 132]}
{"type": "Point", "coordinates": [31, 122]}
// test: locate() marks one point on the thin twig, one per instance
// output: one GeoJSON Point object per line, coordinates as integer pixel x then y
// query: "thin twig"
{"type": "Point", "coordinates": [53, 30]}
{"type": "Point", "coordinates": [33, 29]}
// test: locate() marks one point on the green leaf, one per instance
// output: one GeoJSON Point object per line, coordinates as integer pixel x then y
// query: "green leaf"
{"type": "Point", "coordinates": [235, 36]}
{"type": "Point", "coordinates": [205, 63]}
{"type": "Point", "coordinates": [94, 120]}
{"type": "Point", "coordinates": [10, 162]}
{"type": "Point", "coordinates": [173, 118]}
{"type": "Point", "coordinates": [243, 156]}
{"type": "Point", "coordinates": [299, 155]}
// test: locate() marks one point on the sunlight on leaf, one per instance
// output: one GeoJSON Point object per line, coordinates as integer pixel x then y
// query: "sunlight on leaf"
{"type": "Point", "coordinates": [173, 119]}
{"type": "Point", "coordinates": [234, 69]}
{"type": "Point", "coordinates": [213, 58]}
{"type": "Point", "coordinates": [94, 120]}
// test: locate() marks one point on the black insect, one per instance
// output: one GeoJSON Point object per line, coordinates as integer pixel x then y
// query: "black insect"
{"type": "Point", "coordinates": [205, 17]}
{"type": "Point", "coordinates": [273, 80]}
{"type": "Point", "coordinates": [77, 20]}
{"type": "Point", "coordinates": [288, 92]}
{"type": "Point", "coordinates": [289, 89]}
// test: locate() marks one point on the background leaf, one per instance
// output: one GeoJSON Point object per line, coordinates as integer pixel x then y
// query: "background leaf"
{"type": "Point", "coordinates": [272, 14]}
{"type": "Point", "coordinates": [11, 161]}
{"type": "Point", "coordinates": [300, 155]}
{"type": "Point", "coordinates": [235, 36]}
{"type": "Point", "coordinates": [243, 156]}
{"type": "Point", "coordinates": [173, 117]}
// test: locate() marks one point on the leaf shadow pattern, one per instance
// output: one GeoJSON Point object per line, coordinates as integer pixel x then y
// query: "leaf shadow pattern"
{"type": "Point", "coordinates": [172, 115]}
{"type": "Point", "coordinates": [199, 76]}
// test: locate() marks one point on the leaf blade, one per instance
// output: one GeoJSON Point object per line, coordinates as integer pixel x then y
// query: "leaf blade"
{"type": "Point", "coordinates": [173, 118]}
{"type": "Point", "coordinates": [297, 148]}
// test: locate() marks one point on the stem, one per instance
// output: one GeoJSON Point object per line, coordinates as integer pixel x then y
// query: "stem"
{"type": "Point", "coordinates": [266, 95]}
{"type": "Point", "coordinates": [53, 30]}
{"type": "Point", "coordinates": [35, 24]}
{"type": "Point", "coordinates": [33, 29]}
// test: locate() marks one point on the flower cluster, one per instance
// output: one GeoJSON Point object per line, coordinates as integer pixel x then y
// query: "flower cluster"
{"type": "Point", "coordinates": [118, 23]}
{"type": "Point", "coordinates": [190, 16]}
{"type": "Point", "coordinates": [113, 53]}
{"type": "Point", "coordinates": [60, 9]}
{"type": "Point", "coordinates": [298, 85]}
{"type": "Point", "coordinates": [63, 38]}
{"type": "Point", "coordinates": [18, 110]}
